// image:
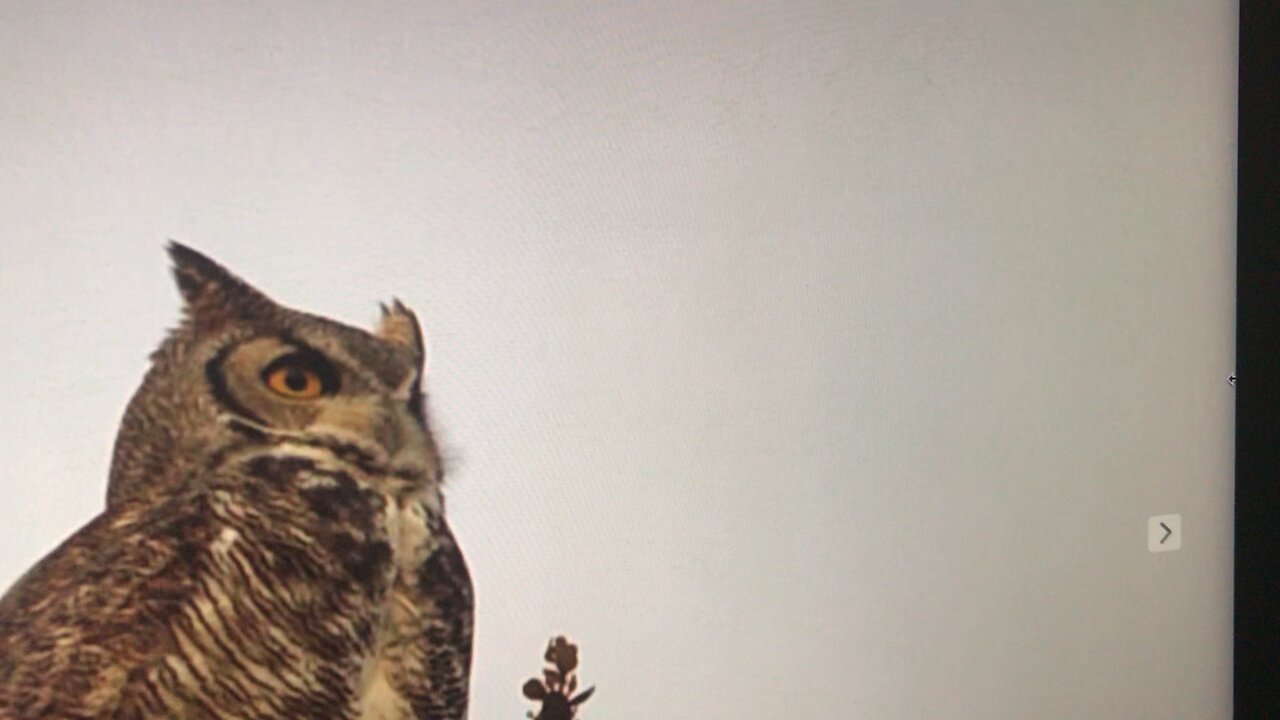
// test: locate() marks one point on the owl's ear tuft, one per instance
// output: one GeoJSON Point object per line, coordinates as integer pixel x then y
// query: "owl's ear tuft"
{"type": "Point", "coordinates": [208, 288]}
{"type": "Point", "coordinates": [399, 325]}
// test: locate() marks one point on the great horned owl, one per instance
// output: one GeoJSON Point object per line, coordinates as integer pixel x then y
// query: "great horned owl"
{"type": "Point", "coordinates": [274, 542]}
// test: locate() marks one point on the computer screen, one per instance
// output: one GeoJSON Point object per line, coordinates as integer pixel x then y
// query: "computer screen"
{"type": "Point", "coordinates": [789, 359]}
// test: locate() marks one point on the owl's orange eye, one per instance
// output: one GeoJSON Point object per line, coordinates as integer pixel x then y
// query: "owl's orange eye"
{"type": "Point", "coordinates": [300, 376]}
{"type": "Point", "coordinates": [295, 383]}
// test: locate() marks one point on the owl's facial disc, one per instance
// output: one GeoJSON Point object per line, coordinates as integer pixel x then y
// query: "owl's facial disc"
{"type": "Point", "coordinates": [285, 384]}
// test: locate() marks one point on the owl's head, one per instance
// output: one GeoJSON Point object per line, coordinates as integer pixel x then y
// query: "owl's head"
{"type": "Point", "coordinates": [242, 371]}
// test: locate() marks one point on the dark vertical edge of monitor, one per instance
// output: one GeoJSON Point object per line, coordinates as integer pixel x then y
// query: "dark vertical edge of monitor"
{"type": "Point", "coordinates": [1257, 455]}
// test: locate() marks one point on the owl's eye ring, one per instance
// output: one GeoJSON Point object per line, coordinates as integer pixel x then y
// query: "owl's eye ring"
{"type": "Point", "coordinates": [300, 376]}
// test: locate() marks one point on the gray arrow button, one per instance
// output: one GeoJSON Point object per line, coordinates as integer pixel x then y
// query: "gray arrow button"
{"type": "Point", "coordinates": [1164, 533]}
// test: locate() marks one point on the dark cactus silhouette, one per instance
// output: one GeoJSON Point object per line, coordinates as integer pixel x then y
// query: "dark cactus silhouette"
{"type": "Point", "coordinates": [558, 683]}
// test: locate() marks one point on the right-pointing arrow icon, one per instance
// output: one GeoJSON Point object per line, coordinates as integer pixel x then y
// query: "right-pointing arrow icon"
{"type": "Point", "coordinates": [1164, 533]}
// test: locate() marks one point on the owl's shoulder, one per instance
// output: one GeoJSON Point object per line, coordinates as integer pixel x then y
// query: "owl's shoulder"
{"type": "Point", "coordinates": [98, 606]}
{"type": "Point", "coordinates": [120, 604]}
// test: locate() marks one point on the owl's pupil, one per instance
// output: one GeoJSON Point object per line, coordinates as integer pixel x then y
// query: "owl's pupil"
{"type": "Point", "coordinates": [296, 380]}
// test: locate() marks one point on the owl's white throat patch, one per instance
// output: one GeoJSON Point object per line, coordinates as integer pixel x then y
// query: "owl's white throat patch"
{"type": "Point", "coordinates": [407, 525]}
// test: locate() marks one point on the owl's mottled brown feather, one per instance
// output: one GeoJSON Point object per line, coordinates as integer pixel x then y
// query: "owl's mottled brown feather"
{"type": "Point", "coordinates": [216, 603]}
